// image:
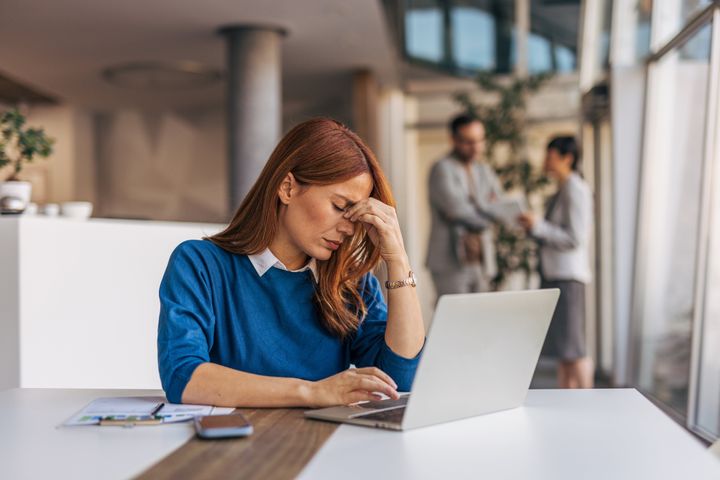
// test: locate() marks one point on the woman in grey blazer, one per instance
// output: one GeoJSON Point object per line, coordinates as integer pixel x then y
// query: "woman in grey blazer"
{"type": "Point", "coordinates": [564, 237]}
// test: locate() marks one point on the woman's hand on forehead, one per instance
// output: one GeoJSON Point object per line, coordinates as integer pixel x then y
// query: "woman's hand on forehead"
{"type": "Point", "coordinates": [381, 222]}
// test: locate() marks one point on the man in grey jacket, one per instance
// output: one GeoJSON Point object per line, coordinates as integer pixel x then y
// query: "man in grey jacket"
{"type": "Point", "coordinates": [461, 250]}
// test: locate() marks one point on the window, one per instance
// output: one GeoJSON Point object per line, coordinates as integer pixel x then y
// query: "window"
{"type": "Point", "coordinates": [671, 219]}
{"type": "Point", "coordinates": [540, 54]}
{"type": "Point", "coordinates": [424, 30]}
{"type": "Point", "coordinates": [564, 59]}
{"type": "Point", "coordinates": [473, 38]}
{"type": "Point", "coordinates": [467, 36]}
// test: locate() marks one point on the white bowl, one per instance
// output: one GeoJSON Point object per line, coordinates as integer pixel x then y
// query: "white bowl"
{"type": "Point", "coordinates": [78, 210]}
{"type": "Point", "coordinates": [51, 210]}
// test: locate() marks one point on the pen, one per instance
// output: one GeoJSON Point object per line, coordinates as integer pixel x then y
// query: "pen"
{"type": "Point", "coordinates": [132, 420]}
{"type": "Point", "coordinates": [150, 416]}
{"type": "Point", "coordinates": [157, 409]}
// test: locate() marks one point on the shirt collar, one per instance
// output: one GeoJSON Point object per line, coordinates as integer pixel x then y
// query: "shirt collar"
{"type": "Point", "coordinates": [266, 260]}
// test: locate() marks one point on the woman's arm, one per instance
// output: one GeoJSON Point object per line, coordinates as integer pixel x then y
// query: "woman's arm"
{"type": "Point", "coordinates": [405, 331]}
{"type": "Point", "coordinates": [576, 228]}
{"type": "Point", "coordinates": [213, 384]}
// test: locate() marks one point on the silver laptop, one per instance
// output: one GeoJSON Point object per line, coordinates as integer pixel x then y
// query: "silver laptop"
{"type": "Point", "coordinates": [480, 355]}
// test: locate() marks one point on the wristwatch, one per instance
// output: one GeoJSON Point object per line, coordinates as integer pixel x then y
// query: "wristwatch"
{"type": "Point", "coordinates": [410, 281]}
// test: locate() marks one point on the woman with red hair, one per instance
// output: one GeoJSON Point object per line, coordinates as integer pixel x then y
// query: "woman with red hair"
{"type": "Point", "coordinates": [272, 311]}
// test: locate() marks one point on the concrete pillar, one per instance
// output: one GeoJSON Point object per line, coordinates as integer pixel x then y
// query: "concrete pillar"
{"type": "Point", "coordinates": [522, 33]}
{"type": "Point", "coordinates": [254, 106]}
{"type": "Point", "coordinates": [365, 107]}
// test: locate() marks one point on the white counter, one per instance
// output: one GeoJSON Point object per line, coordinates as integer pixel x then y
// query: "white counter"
{"type": "Point", "coordinates": [79, 300]}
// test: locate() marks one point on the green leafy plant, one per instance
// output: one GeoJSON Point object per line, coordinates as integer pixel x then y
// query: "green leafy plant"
{"type": "Point", "coordinates": [20, 144]}
{"type": "Point", "coordinates": [505, 123]}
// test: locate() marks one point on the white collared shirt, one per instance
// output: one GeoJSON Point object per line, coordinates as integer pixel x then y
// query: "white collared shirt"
{"type": "Point", "coordinates": [266, 260]}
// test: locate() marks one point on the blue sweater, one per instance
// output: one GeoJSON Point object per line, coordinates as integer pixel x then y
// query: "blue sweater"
{"type": "Point", "coordinates": [214, 307]}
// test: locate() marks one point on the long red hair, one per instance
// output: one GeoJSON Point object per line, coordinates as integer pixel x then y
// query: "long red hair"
{"type": "Point", "coordinates": [320, 151]}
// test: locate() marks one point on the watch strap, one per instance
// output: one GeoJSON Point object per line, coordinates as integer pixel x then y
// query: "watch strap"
{"type": "Point", "coordinates": [409, 281]}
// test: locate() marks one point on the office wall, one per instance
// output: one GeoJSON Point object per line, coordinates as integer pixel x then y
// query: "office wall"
{"type": "Point", "coordinates": [162, 166]}
{"type": "Point", "coordinates": [132, 164]}
{"type": "Point", "coordinates": [172, 165]}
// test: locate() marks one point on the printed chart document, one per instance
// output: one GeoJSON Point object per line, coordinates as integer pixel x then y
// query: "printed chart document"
{"type": "Point", "coordinates": [126, 408]}
{"type": "Point", "coordinates": [507, 210]}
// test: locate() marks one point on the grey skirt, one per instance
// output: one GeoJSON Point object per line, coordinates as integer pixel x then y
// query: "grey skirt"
{"type": "Point", "coordinates": [566, 338]}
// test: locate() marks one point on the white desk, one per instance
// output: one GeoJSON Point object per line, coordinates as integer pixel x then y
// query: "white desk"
{"type": "Point", "coordinates": [608, 434]}
{"type": "Point", "coordinates": [32, 447]}
{"type": "Point", "coordinates": [558, 434]}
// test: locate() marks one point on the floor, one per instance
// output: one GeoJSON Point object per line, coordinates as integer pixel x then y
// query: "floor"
{"type": "Point", "coordinates": [546, 376]}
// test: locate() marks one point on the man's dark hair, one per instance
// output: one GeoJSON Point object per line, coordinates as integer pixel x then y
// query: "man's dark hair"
{"type": "Point", "coordinates": [460, 121]}
{"type": "Point", "coordinates": [565, 145]}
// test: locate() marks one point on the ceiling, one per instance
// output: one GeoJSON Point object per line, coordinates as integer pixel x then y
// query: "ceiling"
{"type": "Point", "coordinates": [59, 48]}
{"type": "Point", "coordinates": [12, 92]}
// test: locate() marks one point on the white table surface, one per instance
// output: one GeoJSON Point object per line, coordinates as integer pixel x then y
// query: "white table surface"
{"type": "Point", "coordinates": [32, 446]}
{"type": "Point", "coordinates": [558, 434]}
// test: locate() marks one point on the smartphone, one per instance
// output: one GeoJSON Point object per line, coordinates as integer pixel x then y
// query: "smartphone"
{"type": "Point", "coordinates": [223, 426]}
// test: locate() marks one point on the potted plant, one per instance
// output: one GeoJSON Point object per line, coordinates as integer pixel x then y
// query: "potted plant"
{"type": "Point", "coordinates": [505, 123]}
{"type": "Point", "coordinates": [19, 145]}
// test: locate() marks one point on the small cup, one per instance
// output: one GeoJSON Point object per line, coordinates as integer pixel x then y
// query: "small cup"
{"type": "Point", "coordinates": [51, 210]}
{"type": "Point", "coordinates": [31, 209]}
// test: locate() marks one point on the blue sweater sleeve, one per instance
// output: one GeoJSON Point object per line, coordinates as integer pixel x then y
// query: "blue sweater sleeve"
{"type": "Point", "coordinates": [185, 330]}
{"type": "Point", "coordinates": [368, 347]}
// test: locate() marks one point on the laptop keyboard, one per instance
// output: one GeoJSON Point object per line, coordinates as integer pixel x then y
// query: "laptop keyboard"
{"type": "Point", "coordinates": [383, 404]}
{"type": "Point", "coordinates": [386, 416]}
{"type": "Point", "coordinates": [383, 411]}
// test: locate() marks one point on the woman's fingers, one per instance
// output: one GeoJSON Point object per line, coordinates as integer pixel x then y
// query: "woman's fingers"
{"type": "Point", "coordinates": [373, 220]}
{"type": "Point", "coordinates": [361, 396]}
{"type": "Point", "coordinates": [369, 211]}
{"type": "Point", "coordinates": [355, 385]}
{"type": "Point", "coordinates": [377, 373]}
{"type": "Point", "coordinates": [374, 384]}
{"type": "Point", "coordinates": [370, 205]}
{"type": "Point", "coordinates": [380, 222]}
{"type": "Point", "coordinates": [350, 211]}
{"type": "Point", "coordinates": [385, 235]}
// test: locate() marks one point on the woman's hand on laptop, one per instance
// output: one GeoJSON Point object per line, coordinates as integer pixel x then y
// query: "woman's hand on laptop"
{"type": "Point", "coordinates": [352, 386]}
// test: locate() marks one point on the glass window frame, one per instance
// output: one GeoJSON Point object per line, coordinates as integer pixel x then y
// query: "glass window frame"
{"type": "Point", "coordinates": [705, 373]}
{"type": "Point", "coordinates": [703, 376]}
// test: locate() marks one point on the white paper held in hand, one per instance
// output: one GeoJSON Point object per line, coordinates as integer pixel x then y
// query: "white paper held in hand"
{"type": "Point", "coordinates": [507, 210]}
